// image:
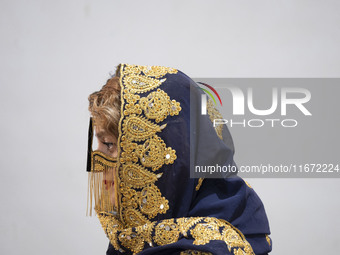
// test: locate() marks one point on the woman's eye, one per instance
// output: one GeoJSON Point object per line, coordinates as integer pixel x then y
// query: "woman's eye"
{"type": "Point", "coordinates": [109, 145]}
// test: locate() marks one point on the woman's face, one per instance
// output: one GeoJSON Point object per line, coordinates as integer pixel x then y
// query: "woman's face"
{"type": "Point", "coordinates": [107, 144]}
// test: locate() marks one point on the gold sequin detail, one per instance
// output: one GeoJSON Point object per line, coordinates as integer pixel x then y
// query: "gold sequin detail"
{"type": "Point", "coordinates": [234, 243]}
{"type": "Point", "coordinates": [131, 240]}
{"type": "Point", "coordinates": [206, 231]}
{"type": "Point", "coordinates": [166, 232]}
{"type": "Point", "coordinates": [186, 223]}
{"type": "Point", "coordinates": [140, 84]}
{"type": "Point", "coordinates": [151, 202]}
{"type": "Point", "coordinates": [137, 128]}
{"type": "Point", "coordinates": [133, 217]}
{"type": "Point", "coordinates": [110, 225]}
{"type": "Point", "coordinates": [157, 105]}
{"type": "Point", "coordinates": [134, 175]}
{"type": "Point", "coordinates": [154, 153]}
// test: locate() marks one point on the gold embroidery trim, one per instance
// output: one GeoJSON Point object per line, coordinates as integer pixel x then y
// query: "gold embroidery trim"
{"type": "Point", "coordinates": [111, 225]}
{"type": "Point", "coordinates": [247, 184]}
{"type": "Point", "coordinates": [201, 230]}
{"type": "Point", "coordinates": [194, 252]}
{"type": "Point", "coordinates": [215, 114]}
{"type": "Point", "coordinates": [102, 161]}
{"type": "Point", "coordinates": [142, 152]}
{"type": "Point", "coordinates": [103, 168]}
{"type": "Point", "coordinates": [268, 240]}
{"type": "Point", "coordinates": [200, 181]}
{"type": "Point", "coordinates": [151, 71]}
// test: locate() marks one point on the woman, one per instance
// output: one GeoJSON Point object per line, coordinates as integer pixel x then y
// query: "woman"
{"type": "Point", "coordinates": [150, 135]}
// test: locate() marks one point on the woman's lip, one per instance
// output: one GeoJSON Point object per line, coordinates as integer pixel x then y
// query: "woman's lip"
{"type": "Point", "coordinates": [108, 184]}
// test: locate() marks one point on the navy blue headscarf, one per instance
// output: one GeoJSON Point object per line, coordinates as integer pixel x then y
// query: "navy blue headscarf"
{"type": "Point", "coordinates": [162, 136]}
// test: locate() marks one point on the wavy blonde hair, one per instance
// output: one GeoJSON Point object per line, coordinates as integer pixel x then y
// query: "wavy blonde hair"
{"type": "Point", "coordinates": [105, 106]}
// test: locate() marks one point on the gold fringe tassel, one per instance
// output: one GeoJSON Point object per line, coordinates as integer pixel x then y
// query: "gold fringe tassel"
{"type": "Point", "coordinates": [101, 189]}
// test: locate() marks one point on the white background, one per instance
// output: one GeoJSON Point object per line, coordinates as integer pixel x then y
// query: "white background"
{"type": "Point", "coordinates": [53, 54]}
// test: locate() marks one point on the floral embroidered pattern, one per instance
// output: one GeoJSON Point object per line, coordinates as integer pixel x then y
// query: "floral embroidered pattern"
{"type": "Point", "coordinates": [135, 175]}
{"type": "Point", "coordinates": [142, 152]}
{"type": "Point", "coordinates": [110, 225]}
{"type": "Point", "coordinates": [140, 83]}
{"type": "Point", "coordinates": [201, 229]}
{"type": "Point", "coordinates": [166, 232]}
{"type": "Point", "coordinates": [154, 153]}
{"type": "Point", "coordinates": [157, 105]}
{"type": "Point", "coordinates": [204, 232]}
{"type": "Point", "coordinates": [151, 71]}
